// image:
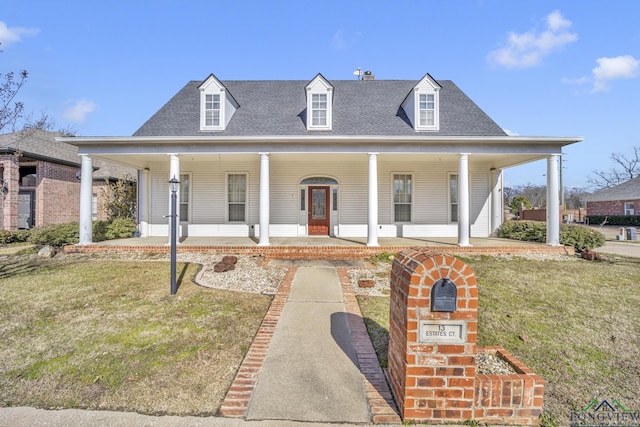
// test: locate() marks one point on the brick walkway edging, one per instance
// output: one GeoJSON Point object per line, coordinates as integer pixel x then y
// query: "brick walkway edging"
{"type": "Point", "coordinates": [236, 402]}
{"type": "Point", "coordinates": [381, 403]}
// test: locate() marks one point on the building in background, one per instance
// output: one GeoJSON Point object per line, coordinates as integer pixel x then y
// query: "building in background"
{"type": "Point", "coordinates": [40, 185]}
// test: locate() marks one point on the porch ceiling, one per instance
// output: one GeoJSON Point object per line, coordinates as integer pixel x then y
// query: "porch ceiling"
{"type": "Point", "coordinates": [498, 161]}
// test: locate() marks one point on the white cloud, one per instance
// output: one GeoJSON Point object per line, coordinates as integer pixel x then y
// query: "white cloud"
{"type": "Point", "coordinates": [575, 81]}
{"type": "Point", "coordinates": [78, 109]}
{"type": "Point", "coordinates": [341, 42]}
{"type": "Point", "coordinates": [14, 34]}
{"type": "Point", "coordinates": [527, 49]}
{"type": "Point", "coordinates": [608, 69]}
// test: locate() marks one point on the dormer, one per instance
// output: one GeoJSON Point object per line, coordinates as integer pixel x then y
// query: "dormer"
{"type": "Point", "coordinates": [422, 105]}
{"type": "Point", "coordinates": [217, 105]}
{"type": "Point", "coordinates": [319, 94]}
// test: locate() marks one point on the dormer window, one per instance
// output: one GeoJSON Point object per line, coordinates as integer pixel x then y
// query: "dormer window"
{"type": "Point", "coordinates": [319, 109]}
{"type": "Point", "coordinates": [216, 105]}
{"type": "Point", "coordinates": [319, 104]}
{"type": "Point", "coordinates": [427, 109]}
{"type": "Point", "coordinates": [212, 110]}
{"type": "Point", "coordinates": [422, 105]}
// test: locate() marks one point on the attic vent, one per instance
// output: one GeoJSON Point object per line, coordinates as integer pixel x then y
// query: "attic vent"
{"type": "Point", "coordinates": [368, 75]}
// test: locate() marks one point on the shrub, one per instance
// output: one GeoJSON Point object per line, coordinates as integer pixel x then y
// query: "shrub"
{"type": "Point", "coordinates": [120, 228]}
{"type": "Point", "coordinates": [21, 236]}
{"type": "Point", "coordinates": [56, 235]}
{"type": "Point", "coordinates": [99, 231]}
{"type": "Point", "coordinates": [122, 199]}
{"type": "Point", "coordinates": [7, 237]}
{"type": "Point", "coordinates": [580, 237]}
{"type": "Point", "coordinates": [528, 231]}
{"type": "Point", "coordinates": [623, 220]}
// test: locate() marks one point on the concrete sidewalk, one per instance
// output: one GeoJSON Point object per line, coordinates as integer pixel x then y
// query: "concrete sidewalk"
{"type": "Point", "coordinates": [32, 417]}
{"type": "Point", "coordinates": [311, 371]}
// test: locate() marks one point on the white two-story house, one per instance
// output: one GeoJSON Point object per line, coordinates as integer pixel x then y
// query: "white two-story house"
{"type": "Point", "coordinates": [347, 158]}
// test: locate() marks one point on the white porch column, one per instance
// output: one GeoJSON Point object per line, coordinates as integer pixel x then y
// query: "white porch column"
{"type": "Point", "coordinates": [143, 202]}
{"type": "Point", "coordinates": [372, 228]}
{"type": "Point", "coordinates": [463, 201]}
{"type": "Point", "coordinates": [496, 201]}
{"type": "Point", "coordinates": [553, 201]}
{"type": "Point", "coordinates": [174, 170]}
{"type": "Point", "coordinates": [86, 194]}
{"type": "Point", "coordinates": [264, 200]}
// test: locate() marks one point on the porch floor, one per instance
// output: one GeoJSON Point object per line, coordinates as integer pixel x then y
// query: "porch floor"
{"type": "Point", "coordinates": [318, 241]}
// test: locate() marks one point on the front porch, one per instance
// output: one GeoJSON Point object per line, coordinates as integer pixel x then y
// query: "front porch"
{"type": "Point", "coordinates": [319, 247]}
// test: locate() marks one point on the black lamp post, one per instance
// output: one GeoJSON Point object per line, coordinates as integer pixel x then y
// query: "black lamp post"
{"type": "Point", "coordinates": [173, 185]}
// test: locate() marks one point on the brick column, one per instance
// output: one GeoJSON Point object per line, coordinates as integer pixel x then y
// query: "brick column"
{"type": "Point", "coordinates": [432, 353]}
{"type": "Point", "coordinates": [11, 177]}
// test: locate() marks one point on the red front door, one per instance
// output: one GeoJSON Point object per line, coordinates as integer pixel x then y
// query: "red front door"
{"type": "Point", "coordinates": [318, 211]}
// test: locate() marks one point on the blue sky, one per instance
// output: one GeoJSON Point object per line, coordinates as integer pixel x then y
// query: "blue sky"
{"type": "Point", "coordinates": [538, 68]}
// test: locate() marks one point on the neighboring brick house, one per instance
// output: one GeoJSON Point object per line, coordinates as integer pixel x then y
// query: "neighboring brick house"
{"type": "Point", "coordinates": [621, 200]}
{"type": "Point", "coordinates": [39, 179]}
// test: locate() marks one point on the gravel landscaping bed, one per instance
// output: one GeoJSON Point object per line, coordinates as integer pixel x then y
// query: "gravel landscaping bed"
{"type": "Point", "coordinates": [381, 271]}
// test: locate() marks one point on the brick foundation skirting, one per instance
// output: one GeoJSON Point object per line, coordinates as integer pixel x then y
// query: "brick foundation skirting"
{"type": "Point", "coordinates": [319, 252]}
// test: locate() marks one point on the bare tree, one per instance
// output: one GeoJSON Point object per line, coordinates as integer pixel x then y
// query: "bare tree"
{"type": "Point", "coordinates": [626, 167]}
{"type": "Point", "coordinates": [11, 110]}
{"type": "Point", "coordinates": [574, 197]}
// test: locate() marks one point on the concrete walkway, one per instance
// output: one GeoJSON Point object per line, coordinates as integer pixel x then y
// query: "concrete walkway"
{"type": "Point", "coordinates": [311, 372]}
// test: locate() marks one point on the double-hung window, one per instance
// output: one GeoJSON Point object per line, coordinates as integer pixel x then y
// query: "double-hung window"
{"type": "Point", "coordinates": [237, 197]}
{"type": "Point", "coordinates": [427, 109]}
{"type": "Point", "coordinates": [212, 109]}
{"type": "Point", "coordinates": [319, 109]}
{"type": "Point", "coordinates": [402, 197]}
{"type": "Point", "coordinates": [453, 198]}
{"type": "Point", "coordinates": [94, 207]}
{"type": "Point", "coordinates": [628, 208]}
{"type": "Point", "coordinates": [185, 184]}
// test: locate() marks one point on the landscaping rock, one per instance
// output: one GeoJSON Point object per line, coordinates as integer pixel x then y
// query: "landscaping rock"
{"type": "Point", "coordinates": [46, 252]}
{"type": "Point", "coordinates": [230, 259]}
{"type": "Point", "coordinates": [366, 283]}
{"type": "Point", "coordinates": [589, 255]}
{"type": "Point", "coordinates": [222, 266]}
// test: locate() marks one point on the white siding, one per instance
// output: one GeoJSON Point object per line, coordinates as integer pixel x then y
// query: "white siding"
{"type": "Point", "coordinates": [429, 194]}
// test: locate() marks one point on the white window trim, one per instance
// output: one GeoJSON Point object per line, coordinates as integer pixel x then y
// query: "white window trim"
{"type": "Point", "coordinates": [449, 202]}
{"type": "Point", "coordinates": [436, 112]}
{"type": "Point", "coordinates": [629, 208]}
{"type": "Point", "coordinates": [203, 110]}
{"type": "Point", "coordinates": [310, 124]}
{"type": "Point", "coordinates": [226, 198]}
{"type": "Point", "coordinates": [413, 193]}
{"type": "Point", "coordinates": [326, 109]}
{"type": "Point", "coordinates": [94, 206]}
{"type": "Point", "coordinates": [189, 199]}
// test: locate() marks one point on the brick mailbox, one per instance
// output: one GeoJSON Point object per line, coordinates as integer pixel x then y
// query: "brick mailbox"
{"type": "Point", "coordinates": [432, 348]}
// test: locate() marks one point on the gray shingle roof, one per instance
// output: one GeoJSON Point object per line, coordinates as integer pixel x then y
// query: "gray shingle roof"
{"type": "Point", "coordinates": [42, 145]}
{"type": "Point", "coordinates": [629, 190]}
{"type": "Point", "coordinates": [360, 107]}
